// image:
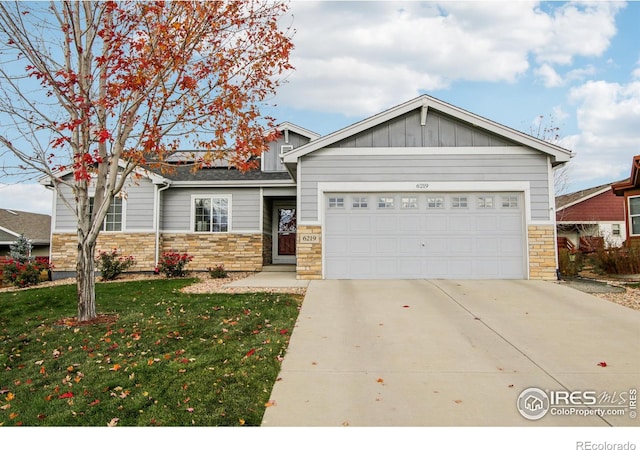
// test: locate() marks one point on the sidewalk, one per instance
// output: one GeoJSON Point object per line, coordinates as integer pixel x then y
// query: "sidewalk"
{"type": "Point", "coordinates": [270, 280]}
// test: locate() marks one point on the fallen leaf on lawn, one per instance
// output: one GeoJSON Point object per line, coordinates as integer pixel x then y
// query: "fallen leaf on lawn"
{"type": "Point", "coordinates": [602, 364]}
{"type": "Point", "coordinates": [241, 421]}
{"type": "Point", "coordinates": [41, 416]}
{"type": "Point", "coordinates": [70, 369]}
{"type": "Point", "coordinates": [250, 352]}
{"type": "Point", "coordinates": [95, 402]}
{"type": "Point", "coordinates": [39, 363]}
{"type": "Point", "coordinates": [48, 398]}
{"type": "Point", "coordinates": [43, 370]}
{"type": "Point", "coordinates": [270, 403]}
{"type": "Point", "coordinates": [13, 415]}
{"type": "Point", "coordinates": [115, 367]}
{"type": "Point", "coordinates": [284, 331]}
{"type": "Point", "coordinates": [66, 395]}
{"type": "Point", "coordinates": [5, 407]}
{"type": "Point", "coordinates": [10, 396]}
{"type": "Point", "coordinates": [3, 391]}
{"type": "Point", "coordinates": [190, 410]}
{"type": "Point", "coordinates": [113, 422]}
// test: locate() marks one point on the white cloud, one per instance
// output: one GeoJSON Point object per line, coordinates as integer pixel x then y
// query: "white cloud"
{"type": "Point", "coordinates": [358, 58]}
{"type": "Point", "coordinates": [549, 76]}
{"type": "Point", "coordinates": [29, 197]}
{"type": "Point", "coordinates": [608, 115]}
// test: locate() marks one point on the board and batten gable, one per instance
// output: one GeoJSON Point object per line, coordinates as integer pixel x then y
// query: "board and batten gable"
{"type": "Point", "coordinates": [177, 207]}
{"type": "Point", "coordinates": [271, 161]}
{"type": "Point", "coordinates": [138, 207]}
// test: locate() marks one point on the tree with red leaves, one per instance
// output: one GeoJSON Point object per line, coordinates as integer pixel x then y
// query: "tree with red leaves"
{"type": "Point", "coordinates": [98, 89]}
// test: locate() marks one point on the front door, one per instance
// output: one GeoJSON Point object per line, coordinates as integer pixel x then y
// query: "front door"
{"type": "Point", "coordinates": [285, 225]}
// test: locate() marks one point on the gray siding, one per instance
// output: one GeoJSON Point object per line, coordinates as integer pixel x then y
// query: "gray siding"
{"type": "Point", "coordinates": [424, 168]}
{"type": "Point", "coordinates": [138, 207]}
{"type": "Point", "coordinates": [271, 158]}
{"type": "Point", "coordinates": [177, 208]}
{"type": "Point", "coordinates": [439, 131]}
{"type": "Point", "coordinates": [139, 202]}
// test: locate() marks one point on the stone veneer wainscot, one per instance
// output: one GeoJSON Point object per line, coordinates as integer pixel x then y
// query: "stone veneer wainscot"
{"type": "Point", "coordinates": [542, 252]}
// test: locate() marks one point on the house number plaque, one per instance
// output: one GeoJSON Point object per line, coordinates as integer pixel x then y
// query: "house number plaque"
{"type": "Point", "coordinates": [310, 238]}
{"type": "Point", "coordinates": [422, 186]}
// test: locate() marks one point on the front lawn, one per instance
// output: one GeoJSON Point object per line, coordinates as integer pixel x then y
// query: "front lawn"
{"type": "Point", "coordinates": [159, 357]}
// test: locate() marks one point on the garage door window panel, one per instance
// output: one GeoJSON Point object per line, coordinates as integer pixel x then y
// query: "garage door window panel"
{"type": "Point", "coordinates": [459, 202]}
{"type": "Point", "coordinates": [409, 203]}
{"type": "Point", "coordinates": [336, 202]}
{"type": "Point", "coordinates": [435, 202]}
{"type": "Point", "coordinates": [386, 203]}
{"type": "Point", "coordinates": [485, 202]}
{"type": "Point", "coordinates": [510, 202]}
{"type": "Point", "coordinates": [360, 202]}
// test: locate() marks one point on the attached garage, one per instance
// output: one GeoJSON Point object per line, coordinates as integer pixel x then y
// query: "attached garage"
{"type": "Point", "coordinates": [426, 190]}
{"type": "Point", "coordinates": [463, 235]}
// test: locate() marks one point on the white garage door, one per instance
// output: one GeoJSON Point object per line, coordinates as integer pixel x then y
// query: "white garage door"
{"type": "Point", "coordinates": [420, 235]}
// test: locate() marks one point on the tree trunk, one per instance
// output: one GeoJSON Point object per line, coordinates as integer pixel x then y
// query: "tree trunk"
{"type": "Point", "coordinates": [86, 280]}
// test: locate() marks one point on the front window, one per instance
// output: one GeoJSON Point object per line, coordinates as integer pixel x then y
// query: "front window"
{"type": "Point", "coordinates": [634, 214]}
{"type": "Point", "coordinates": [211, 214]}
{"type": "Point", "coordinates": [113, 219]}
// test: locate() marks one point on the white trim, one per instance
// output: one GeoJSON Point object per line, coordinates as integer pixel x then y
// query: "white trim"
{"type": "Point", "coordinates": [261, 218]}
{"type": "Point", "coordinates": [629, 216]}
{"type": "Point", "coordinates": [552, 211]}
{"type": "Point", "coordinates": [296, 129]}
{"type": "Point", "coordinates": [6, 230]}
{"type": "Point", "coordinates": [192, 217]}
{"type": "Point", "coordinates": [414, 151]}
{"type": "Point", "coordinates": [241, 184]}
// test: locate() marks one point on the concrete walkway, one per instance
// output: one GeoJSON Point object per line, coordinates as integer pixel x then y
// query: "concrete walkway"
{"type": "Point", "coordinates": [269, 280]}
{"type": "Point", "coordinates": [450, 353]}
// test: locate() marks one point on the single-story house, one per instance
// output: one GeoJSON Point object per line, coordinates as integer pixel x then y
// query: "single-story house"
{"type": "Point", "coordinates": [591, 217]}
{"type": "Point", "coordinates": [35, 227]}
{"type": "Point", "coordinates": [629, 191]}
{"type": "Point", "coordinates": [421, 190]}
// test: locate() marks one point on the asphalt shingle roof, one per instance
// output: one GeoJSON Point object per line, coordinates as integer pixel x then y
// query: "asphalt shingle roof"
{"type": "Point", "coordinates": [36, 227]}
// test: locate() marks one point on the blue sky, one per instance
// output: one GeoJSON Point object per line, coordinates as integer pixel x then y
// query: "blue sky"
{"type": "Point", "coordinates": [576, 64]}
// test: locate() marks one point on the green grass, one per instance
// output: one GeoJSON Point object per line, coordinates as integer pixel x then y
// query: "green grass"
{"type": "Point", "coordinates": [169, 358]}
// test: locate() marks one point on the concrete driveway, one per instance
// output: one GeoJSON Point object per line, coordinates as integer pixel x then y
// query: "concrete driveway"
{"type": "Point", "coordinates": [456, 353]}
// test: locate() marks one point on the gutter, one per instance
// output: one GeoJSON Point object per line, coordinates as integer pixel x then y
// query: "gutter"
{"type": "Point", "coordinates": [157, 208]}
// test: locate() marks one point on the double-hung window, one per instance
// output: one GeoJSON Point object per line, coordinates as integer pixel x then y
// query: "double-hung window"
{"type": "Point", "coordinates": [113, 219]}
{"type": "Point", "coordinates": [634, 215]}
{"type": "Point", "coordinates": [211, 214]}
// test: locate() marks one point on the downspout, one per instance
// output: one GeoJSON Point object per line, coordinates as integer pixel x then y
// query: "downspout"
{"type": "Point", "coordinates": [157, 207]}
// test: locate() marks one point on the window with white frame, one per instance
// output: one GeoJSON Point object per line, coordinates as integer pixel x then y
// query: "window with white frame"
{"type": "Point", "coordinates": [510, 201]}
{"type": "Point", "coordinates": [485, 202]}
{"type": "Point", "coordinates": [336, 202]}
{"type": "Point", "coordinates": [360, 202]}
{"type": "Point", "coordinates": [615, 229]}
{"type": "Point", "coordinates": [385, 202]}
{"type": "Point", "coordinates": [211, 214]}
{"type": "Point", "coordinates": [634, 214]}
{"type": "Point", "coordinates": [409, 203]}
{"type": "Point", "coordinates": [435, 202]}
{"type": "Point", "coordinates": [459, 202]}
{"type": "Point", "coordinates": [113, 219]}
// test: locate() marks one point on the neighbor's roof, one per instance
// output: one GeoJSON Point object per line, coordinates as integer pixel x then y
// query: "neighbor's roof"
{"type": "Point", "coordinates": [630, 183]}
{"type": "Point", "coordinates": [36, 227]}
{"type": "Point", "coordinates": [566, 200]}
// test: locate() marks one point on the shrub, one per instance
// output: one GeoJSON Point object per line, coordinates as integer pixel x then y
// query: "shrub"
{"type": "Point", "coordinates": [617, 260]}
{"type": "Point", "coordinates": [111, 264]}
{"type": "Point", "coordinates": [217, 272]}
{"type": "Point", "coordinates": [22, 274]}
{"type": "Point", "coordinates": [20, 250]}
{"type": "Point", "coordinates": [570, 263]}
{"type": "Point", "coordinates": [172, 264]}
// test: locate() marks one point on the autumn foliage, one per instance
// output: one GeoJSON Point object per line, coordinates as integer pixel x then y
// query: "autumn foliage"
{"type": "Point", "coordinates": [120, 85]}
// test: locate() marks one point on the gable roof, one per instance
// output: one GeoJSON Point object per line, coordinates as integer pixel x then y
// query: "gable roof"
{"type": "Point", "coordinates": [632, 182]}
{"type": "Point", "coordinates": [558, 154]}
{"type": "Point", "coordinates": [36, 227]}
{"type": "Point", "coordinates": [288, 126]}
{"type": "Point", "coordinates": [568, 200]}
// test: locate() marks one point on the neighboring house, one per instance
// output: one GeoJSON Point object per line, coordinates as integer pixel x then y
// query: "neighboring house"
{"type": "Point", "coordinates": [629, 190]}
{"type": "Point", "coordinates": [36, 227]}
{"type": "Point", "coordinates": [422, 190]}
{"type": "Point", "coordinates": [591, 217]}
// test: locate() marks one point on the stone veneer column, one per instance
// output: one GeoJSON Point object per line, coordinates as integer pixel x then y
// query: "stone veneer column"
{"type": "Point", "coordinates": [542, 252]}
{"type": "Point", "coordinates": [309, 252]}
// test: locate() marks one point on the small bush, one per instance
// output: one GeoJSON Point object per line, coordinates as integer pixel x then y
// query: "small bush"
{"type": "Point", "coordinates": [111, 264]}
{"type": "Point", "coordinates": [217, 272]}
{"type": "Point", "coordinates": [172, 264]}
{"type": "Point", "coordinates": [617, 260]}
{"type": "Point", "coordinates": [570, 263]}
{"type": "Point", "coordinates": [23, 274]}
